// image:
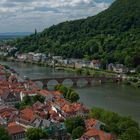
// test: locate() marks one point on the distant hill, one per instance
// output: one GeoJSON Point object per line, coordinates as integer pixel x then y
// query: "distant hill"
{"type": "Point", "coordinates": [111, 36]}
{"type": "Point", "coordinates": [13, 35]}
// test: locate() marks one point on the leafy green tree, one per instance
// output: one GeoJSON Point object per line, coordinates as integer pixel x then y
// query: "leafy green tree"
{"type": "Point", "coordinates": [77, 132]}
{"type": "Point", "coordinates": [38, 97]}
{"type": "Point", "coordinates": [68, 93]}
{"type": "Point", "coordinates": [79, 71]}
{"type": "Point", "coordinates": [114, 123]}
{"type": "Point", "coordinates": [138, 69]}
{"type": "Point", "coordinates": [87, 57]}
{"type": "Point", "coordinates": [74, 97]}
{"type": "Point", "coordinates": [87, 72]}
{"type": "Point", "coordinates": [57, 87]}
{"type": "Point", "coordinates": [73, 123]}
{"type": "Point", "coordinates": [126, 122]}
{"type": "Point", "coordinates": [17, 105]}
{"type": "Point", "coordinates": [131, 133]}
{"type": "Point", "coordinates": [35, 134]}
{"type": "Point", "coordinates": [63, 89]}
{"type": "Point", "coordinates": [4, 134]}
{"type": "Point", "coordinates": [27, 99]}
{"type": "Point", "coordinates": [128, 61]}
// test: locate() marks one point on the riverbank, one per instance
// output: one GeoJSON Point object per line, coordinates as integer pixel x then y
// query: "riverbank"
{"type": "Point", "coordinates": [79, 71]}
{"type": "Point", "coordinates": [132, 82]}
{"type": "Point", "coordinates": [127, 79]}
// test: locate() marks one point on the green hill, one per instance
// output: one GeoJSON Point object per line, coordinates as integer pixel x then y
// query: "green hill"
{"type": "Point", "coordinates": [112, 36]}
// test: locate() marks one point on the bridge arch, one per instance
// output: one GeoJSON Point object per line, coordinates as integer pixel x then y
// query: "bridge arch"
{"type": "Point", "coordinates": [39, 84]}
{"type": "Point", "coordinates": [52, 83]}
{"type": "Point", "coordinates": [81, 82]}
{"type": "Point", "coordinates": [68, 82]}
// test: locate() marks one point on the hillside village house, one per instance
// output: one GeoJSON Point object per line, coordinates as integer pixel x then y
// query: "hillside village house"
{"type": "Point", "coordinates": [32, 57]}
{"type": "Point", "coordinates": [7, 114]}
{"type": "Point", "coordinates": [17, 132]}
{"type": "Point", "coordinates": [118, 68]}
{"type": "Point", "coordinates": [8, 97]}
{"type": "Point", "coordinates": [22, 57]}
{"type": "Point", "coordinates": [95, 64]}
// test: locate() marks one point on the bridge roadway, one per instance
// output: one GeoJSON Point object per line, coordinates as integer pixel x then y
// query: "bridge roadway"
{"type": "Point", "coordinates": [75, 79]}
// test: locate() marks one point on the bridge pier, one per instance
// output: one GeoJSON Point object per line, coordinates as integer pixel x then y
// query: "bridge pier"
{"type": "Point", "coordinates": [74, 82]}
{"type": "Point", "coordinates": [100, 81]}
{"type": "Point", "coordinates": [60, 81]}
{"type": "Point", "coordinates": [45, 86]}
{"type": "Point", "coordinates": [89, 82]}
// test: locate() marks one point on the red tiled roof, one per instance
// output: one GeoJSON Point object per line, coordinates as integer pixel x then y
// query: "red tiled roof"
{"type": "Point", "coordinates": [53, 113]}
{"type": "Point", "coordinates": [44, 92]}
{"type": "Point", "coordinates": [28, 92]}
{"type": "Point", "coordinates": [1, 67]}
{"type": "Point", "coordinates": [27, 114]}
{"type": "Point", "coordinates": [1, 73]}
{"type": "Point", "coordinates": [56, 92]}
{"type": "Point", "coordinates": [68, 108]}
{"type": "Point", "coordinates": [6, 114]}
{"type": "Point", "coordinates": [94, 132]}
{"type": "Point", "coordinates": [14, 129]}
{"type": "Point", "coordinates": [91, 122]}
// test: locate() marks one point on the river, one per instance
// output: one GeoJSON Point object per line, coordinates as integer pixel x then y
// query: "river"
{"type": "Point", "coordinates": [118, 98]}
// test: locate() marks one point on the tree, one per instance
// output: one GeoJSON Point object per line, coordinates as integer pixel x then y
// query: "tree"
{"type": "Point", "coordinates": [74, 97]}
{"type": "Point", "coordinates": [17, 105]}
{"type": "Point", "coordinates": [4, 134]}
{"type": "Point", "coordinates": [128, 61]}
{"type": "Point", "coordinates": [77, 132]}
{"type": "Point", "coordinates": [131, 133]}
{"type": "Point", "coordinates": [79, 71]}
{"type": "Point", "coordinates": [126, 122]}
{"type": "Point", "coordinates": [87, 72]}
{"type": "Point", "coordinates": [57, 87]}
{"type": "Point", "coordinates": [116, 124]}
{"type": "Point", "coordinates": [138, 69]}
{"type": "Point", "coordinates": [35, 134]}
{"type": "Point", "coordinates": [68, 93]}
{"type": "Point", "coordinates": [73, 123]}
{"type": "Point", "coordinates": [39, 98]}
{"type": "Point", "coordinates": [27, 100]}
{"type": "Point", "coordinates": [63, 89]}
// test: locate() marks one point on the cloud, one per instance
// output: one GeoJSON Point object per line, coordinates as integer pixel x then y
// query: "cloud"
{"type": "Point", "coordinates": [25, 15]}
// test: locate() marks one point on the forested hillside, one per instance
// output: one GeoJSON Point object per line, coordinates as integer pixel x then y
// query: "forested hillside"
{"type": "Point", "coordinates": [112, 36]}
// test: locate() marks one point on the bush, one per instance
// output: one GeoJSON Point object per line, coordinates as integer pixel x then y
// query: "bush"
{"type": "Point", "coordinates": [77, 132]}
{"type": "Point", "coordinates": [138, 69]}
{"type": "Point", "coordinates": [35, 134]}
{"type": "Point", "coordinates": [68, 93]}
{"type": "Point", "coordinates": [72, 123]}
{"type": "Point", "coordinates": [4, 134]}
{"type": "Point", "coordinates": [116, 124]}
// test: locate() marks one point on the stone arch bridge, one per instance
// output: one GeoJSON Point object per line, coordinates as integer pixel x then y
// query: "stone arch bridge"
{"type": "Point", "coordinates": [75, 80]}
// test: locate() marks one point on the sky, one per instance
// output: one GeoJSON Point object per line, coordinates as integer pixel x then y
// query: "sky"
{"type": "Point", "coordinates": [26, 15]}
